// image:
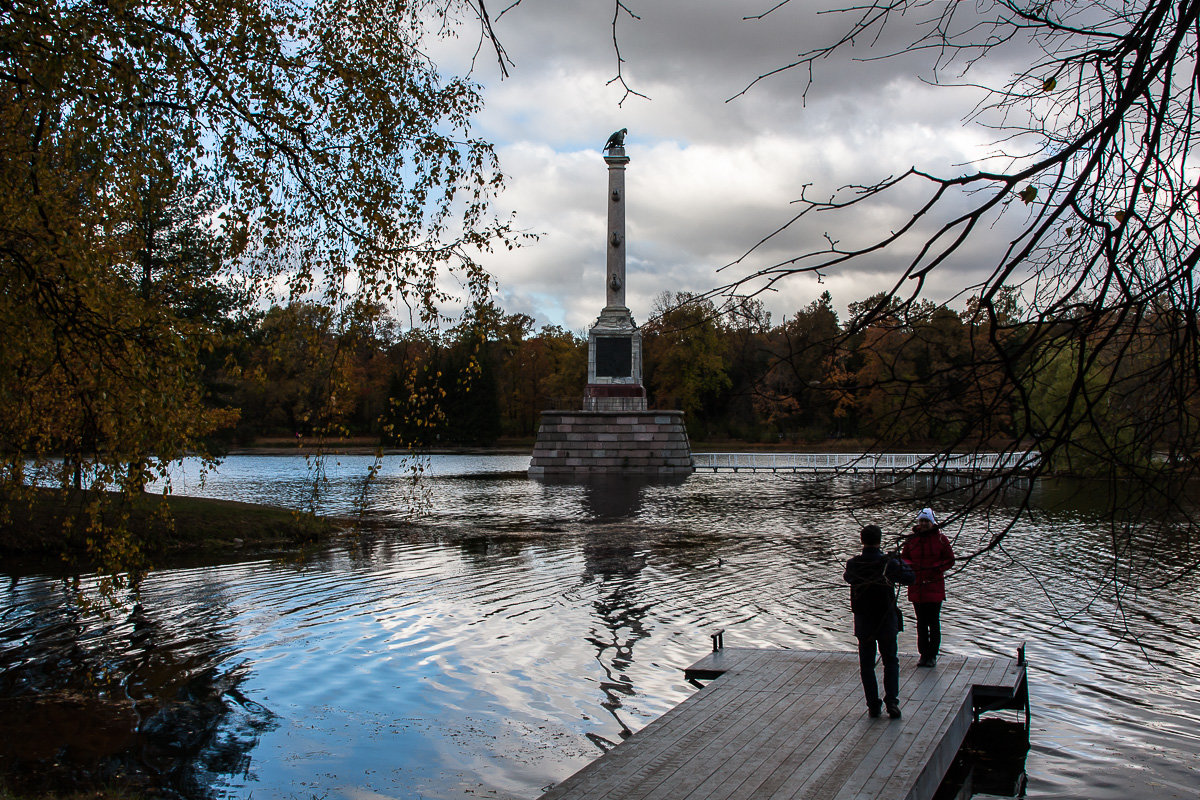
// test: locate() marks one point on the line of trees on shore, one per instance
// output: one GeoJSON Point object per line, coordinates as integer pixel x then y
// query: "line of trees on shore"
{"type": "Point", "coordinates": [911, 376]}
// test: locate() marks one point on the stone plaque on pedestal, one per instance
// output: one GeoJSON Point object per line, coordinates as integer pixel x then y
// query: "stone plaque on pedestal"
{"type": "Point", "coordinates": [614, 357]}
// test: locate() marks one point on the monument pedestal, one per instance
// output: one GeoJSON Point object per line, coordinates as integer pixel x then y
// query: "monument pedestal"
{"type": "Point", "coordinates": [581, 443]}
{"type": "Point", "coordinates": [614, 363]}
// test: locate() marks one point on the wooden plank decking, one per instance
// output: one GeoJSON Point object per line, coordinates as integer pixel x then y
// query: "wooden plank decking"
{"type": "Point", "coordinates": [793, 724]}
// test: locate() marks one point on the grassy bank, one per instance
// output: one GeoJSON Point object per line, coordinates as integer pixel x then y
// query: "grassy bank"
{"type": "Point", "coordinates": [41, 523]}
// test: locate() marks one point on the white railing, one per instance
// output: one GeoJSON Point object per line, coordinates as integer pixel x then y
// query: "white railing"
{"type": "Point", "coordinates": [867, 462]}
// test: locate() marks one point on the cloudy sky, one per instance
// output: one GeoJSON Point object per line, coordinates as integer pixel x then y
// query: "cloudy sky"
{"type": "Point", "coordinates": [709, 176]}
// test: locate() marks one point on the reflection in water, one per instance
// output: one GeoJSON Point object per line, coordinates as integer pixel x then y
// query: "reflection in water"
{"type": "Point", "coordinates": [134, 696]}
{"type": "Point", "coordinates": [613, 497]}
{"type": "Point", "coordinates": [620, 628]}
{"type": "Point", "coordinates": [614, 559]}
{"type": "Point", "coordinates": [523, 627]}
{"type": "Point", "coordinates": [991, 762]}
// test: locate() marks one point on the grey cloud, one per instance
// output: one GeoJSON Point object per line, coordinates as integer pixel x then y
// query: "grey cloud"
{"type": "Point", "coordinates": [708, 178]}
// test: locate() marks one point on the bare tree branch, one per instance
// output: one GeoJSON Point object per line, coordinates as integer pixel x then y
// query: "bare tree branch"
{"type": "Point", "coordinates": [1100, 369]}
{"type": "Point", "coordinates": [618, 7]}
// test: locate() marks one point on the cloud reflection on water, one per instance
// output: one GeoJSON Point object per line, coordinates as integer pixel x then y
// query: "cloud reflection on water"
{"type": "Point", "coordinates": [504, 640]}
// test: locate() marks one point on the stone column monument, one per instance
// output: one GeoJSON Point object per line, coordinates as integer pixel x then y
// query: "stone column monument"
{"type": "Point", "coordinates": [614, 432]}
{"type": "Point", "coordinates": [614, 341]}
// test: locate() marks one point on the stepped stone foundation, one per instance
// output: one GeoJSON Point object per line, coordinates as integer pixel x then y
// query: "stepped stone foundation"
{"type": "Point", "coordinates": [582, 443]}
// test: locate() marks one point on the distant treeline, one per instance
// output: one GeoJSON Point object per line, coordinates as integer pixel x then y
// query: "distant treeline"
{"type": "Point", "coordinates": [910, 377]}
{"type": "Point", "coordinates": [294, 371]}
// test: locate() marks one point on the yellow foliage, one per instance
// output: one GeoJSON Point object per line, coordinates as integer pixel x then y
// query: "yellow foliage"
{"type": "Point", "coordinates": [160, 158]}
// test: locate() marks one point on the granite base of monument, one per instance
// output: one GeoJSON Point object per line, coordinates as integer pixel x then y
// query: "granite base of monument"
{"type": "Point", "coordinates": [581, 443]}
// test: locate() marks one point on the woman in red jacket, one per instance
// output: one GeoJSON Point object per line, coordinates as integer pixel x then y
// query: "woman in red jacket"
{"type": "Point", "coordinates": [928, 552]}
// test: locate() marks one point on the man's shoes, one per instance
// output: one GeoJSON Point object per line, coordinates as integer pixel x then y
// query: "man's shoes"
{"type": "Point", "coordinates": [930, 661]}
{"type": "Point", "coordinates": [873, 710]}
{"type": "Point", "coordinates": [893, 710]}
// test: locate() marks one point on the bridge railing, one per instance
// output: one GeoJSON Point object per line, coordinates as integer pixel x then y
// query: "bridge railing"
{"type": "Point", "coordinates": [867, 462]}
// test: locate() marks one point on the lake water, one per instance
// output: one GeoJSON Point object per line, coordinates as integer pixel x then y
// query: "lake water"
{"type": "Point", "coordinates": [517, 629]}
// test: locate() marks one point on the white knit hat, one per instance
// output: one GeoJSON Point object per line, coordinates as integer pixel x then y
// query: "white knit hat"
{"type": "Point", "coordinates": [927, 513]}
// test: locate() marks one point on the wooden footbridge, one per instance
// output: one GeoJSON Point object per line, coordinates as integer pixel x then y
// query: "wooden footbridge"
{"type": "Point", "coordinates": [792, 724]}
{"type": "Point", "coordinates": [953, 463]}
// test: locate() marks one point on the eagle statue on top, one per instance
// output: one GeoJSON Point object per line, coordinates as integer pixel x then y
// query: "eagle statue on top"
{"type": "Point", "coordinates": [616, 140]}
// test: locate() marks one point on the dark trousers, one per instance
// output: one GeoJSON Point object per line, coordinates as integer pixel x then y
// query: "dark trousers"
{"type": "Point", "coordinates": [884, 637]}
{"type": "Point", "coordinates": [929, 628]}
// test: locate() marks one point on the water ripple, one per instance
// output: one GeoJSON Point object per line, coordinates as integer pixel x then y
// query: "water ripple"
{"type": "Point", "coordinates": [521, 628]}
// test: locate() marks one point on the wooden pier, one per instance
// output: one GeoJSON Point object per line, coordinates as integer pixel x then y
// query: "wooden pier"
{"type": "Point", "coordinates": [793, 724]}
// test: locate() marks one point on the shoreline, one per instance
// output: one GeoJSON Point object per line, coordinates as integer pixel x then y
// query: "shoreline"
{"type": "Point", "coordinates": [367, 446]}
{"type": "Point", "coordinates": [41, 525]}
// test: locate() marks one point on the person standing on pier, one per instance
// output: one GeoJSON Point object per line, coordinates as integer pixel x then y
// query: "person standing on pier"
{"type": "Point", "coordinates": [929, 552]}
{"type": "Point", "coordinates": [872, 576]}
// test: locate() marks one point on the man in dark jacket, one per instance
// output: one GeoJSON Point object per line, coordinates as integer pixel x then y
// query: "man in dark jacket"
{"type": "Point", "coordinates": [872, 576]}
